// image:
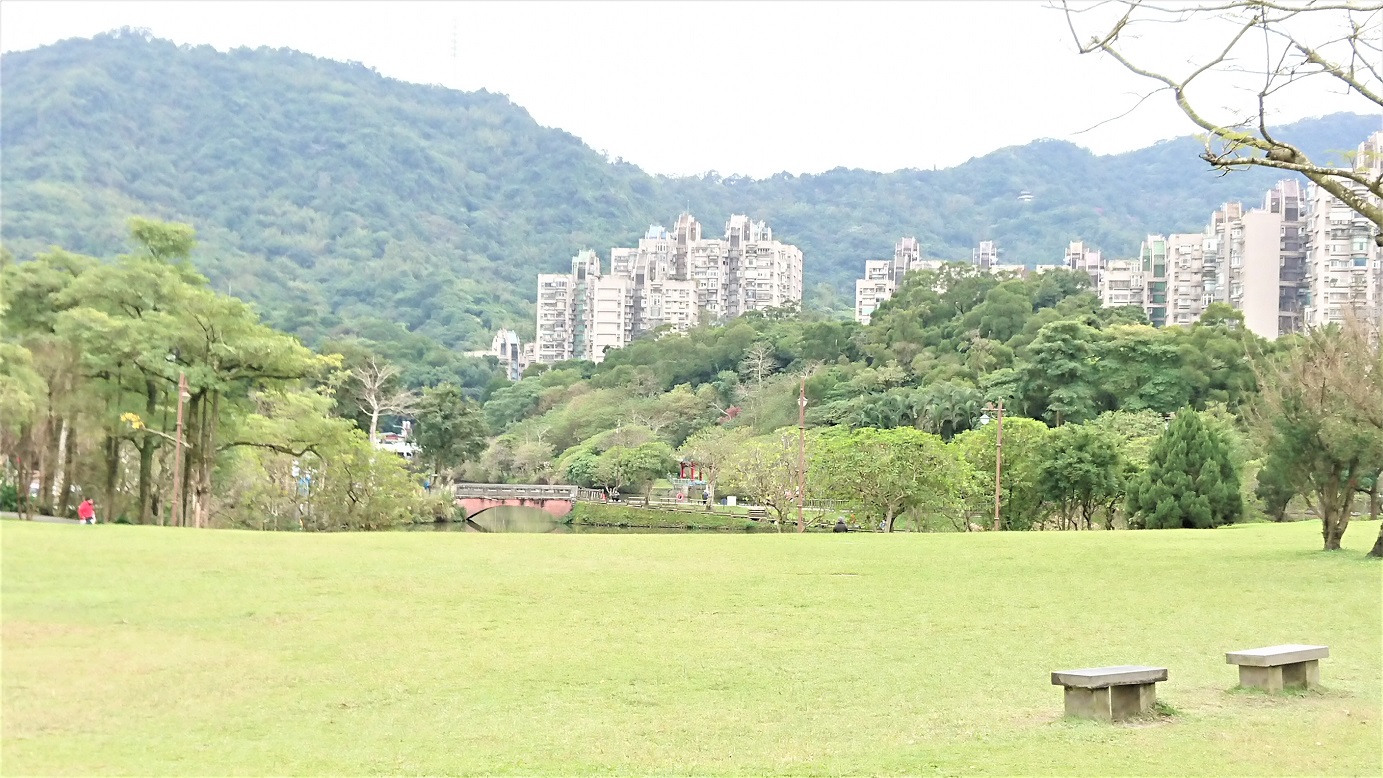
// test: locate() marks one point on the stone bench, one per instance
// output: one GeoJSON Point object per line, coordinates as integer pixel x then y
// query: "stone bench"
{"type": "Point", "coordinates": [1110, 693]}
{"type": "Point", "coordinates": [1277, 667]}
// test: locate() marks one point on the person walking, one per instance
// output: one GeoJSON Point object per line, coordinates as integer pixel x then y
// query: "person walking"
{"type": "Point", "coordinates": [86, 512]}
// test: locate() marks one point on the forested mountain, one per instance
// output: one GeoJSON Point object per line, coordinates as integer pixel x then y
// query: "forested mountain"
{"type": "Point", "coordinates": [346, 203]}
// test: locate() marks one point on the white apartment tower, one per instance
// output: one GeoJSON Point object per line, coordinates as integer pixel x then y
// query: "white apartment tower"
{"type": "Point", "coordinates": [1344, 264]}
{"type": "Point", "coordinates": [671, 279]}
{"type": "Point", "coordinates": [1080, 257]}
{"type": "Point", "coordinates": [507, 348]}
{"type": "Point", "coordinates": [1121, 283]}
{"type": "Point", "coordinates": [876, 286]}
{"type": "Point", "coordinates": [882, 277]}
{"type": "Point", "coordinates": [1255, 260]}
{"type": "Point", "coordinates": [564, 306]}
{"type": "Point", "coordinates": [985, 256]}
{"type": "Point", "coordinates": [1185, 281]}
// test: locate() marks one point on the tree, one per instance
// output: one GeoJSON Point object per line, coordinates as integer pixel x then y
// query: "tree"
{"type": "Point", "coordinates": [23, 394]}
{"type": "Point", "coordinates": [1275, 487]}
{"type": "Point", "coordinates": [1321, 413]}
{"type": "Point", "coordinates": [380, 395]}
{"type": "Point", "coordinates": [760, 361]}
{"type": "Point", "coordinates": [640, 465]}
{"type": "Point", "coordinates": [449, 427]}
{"type": "Point", "coordinates": [1061, 371]}
{"type": "Point", "coordinates": [1189, 482]}
{"type": "Point", "coordinates": [889, 471]}
{"type": "Point", "coordinates": [1265, 47]}
{"type": "Point", "coordinates": [1020, 498]}
{"type": "Point", "coordinates": [1080, 474]}
{"type": "Point", "coordinates": [299, 468]}
{"type": "Point", "coordinates": [765, 471]}
{"type": "Point", "coordinates": [711, 449]}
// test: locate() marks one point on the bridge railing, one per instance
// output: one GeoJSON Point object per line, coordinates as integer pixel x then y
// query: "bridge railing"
{"type": "Point", "coordinates": [516, 491]}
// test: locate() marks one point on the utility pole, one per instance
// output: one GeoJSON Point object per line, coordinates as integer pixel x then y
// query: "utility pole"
{"type": "Point", "coordinates": [801, 451]}
{"type": "Point", "coordinates": [998, 457]}
{"type": "Point", "coordinates": [177, 453]}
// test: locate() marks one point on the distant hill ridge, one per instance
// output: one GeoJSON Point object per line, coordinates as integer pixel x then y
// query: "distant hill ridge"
{"type": "Point", "coordinates": [342, 201]}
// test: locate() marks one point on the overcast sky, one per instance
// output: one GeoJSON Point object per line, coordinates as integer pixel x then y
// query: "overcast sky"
{"type": "Point", "coordinates": [687, 87]}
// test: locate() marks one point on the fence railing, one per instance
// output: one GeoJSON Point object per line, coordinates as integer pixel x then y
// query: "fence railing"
{"type": "Point", "coordinates": [517, 491]}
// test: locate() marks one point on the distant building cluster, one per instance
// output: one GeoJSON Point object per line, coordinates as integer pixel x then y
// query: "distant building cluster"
{"type": "Point", "coordinates": [1305, 259]}
{"type": "Point", "coordinates": [676, 279]}
{"type": "Point", "coordinates": [882, 277]}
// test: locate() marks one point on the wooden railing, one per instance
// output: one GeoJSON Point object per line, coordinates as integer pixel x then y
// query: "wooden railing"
{"type": "Point", "coordinates": [517, 491]}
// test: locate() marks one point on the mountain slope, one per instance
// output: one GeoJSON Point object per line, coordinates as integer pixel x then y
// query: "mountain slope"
{"type": "Point", "coordinates": [344, 202]}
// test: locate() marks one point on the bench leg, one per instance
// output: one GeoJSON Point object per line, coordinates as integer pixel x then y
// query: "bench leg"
{"type": "Point", "coordinates": [1133, 700]}
{"type": "Point", "coordinates": [1088, 703]}
{"type": "Point", "coordinates": [1269, 679]}
{"type": "Point", "coordinates": [1302, 675]}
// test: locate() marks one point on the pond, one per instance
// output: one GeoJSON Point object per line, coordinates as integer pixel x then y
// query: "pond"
{"type": "Point", "coordinates": [515, 519]}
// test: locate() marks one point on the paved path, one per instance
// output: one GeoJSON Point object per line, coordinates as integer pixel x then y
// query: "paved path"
{"type": "Point", "coordinates": [36, 517]}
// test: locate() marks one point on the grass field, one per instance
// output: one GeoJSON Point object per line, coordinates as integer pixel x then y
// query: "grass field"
{"type": "Point", "coordinates": [150, 651]}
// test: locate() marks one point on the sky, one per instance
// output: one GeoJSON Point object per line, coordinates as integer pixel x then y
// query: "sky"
{"type": "Point", "coordinates": [749, 88]}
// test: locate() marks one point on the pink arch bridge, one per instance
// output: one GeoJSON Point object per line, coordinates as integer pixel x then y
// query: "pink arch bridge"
{"type": "Point", "coordinates": [557, 499]}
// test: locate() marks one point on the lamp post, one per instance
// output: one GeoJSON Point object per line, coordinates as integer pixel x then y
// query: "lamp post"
{"type": "Point", "coordinates": [801, 451]}
{"type": "Point", "coordinates": [998, 455]}
{"type": "Point", "coordinates": [183, 396]}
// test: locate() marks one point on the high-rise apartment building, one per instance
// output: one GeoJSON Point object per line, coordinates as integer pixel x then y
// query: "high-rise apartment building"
{"type": "Point", "coordinates": [1121, 283]}
{"type": "Point", "coordinates": [882, 277]}
{"type": "Point", "coordinates": [672, 279]}
{"type": "Point", "coordinates": [1152, 261]}
{"type": "Point", "coordinates": [1080, 257]}
{"type": "Point", "coordinates": [876, 286]}
{"type": "Point", "coordinates": [985, 256]}
{"type": "Point", "coordinates": [564, 304]}
{"type": "Point", "coordinates": [1344, 264]}
{"type": "Point", "coordinates": [513, 355]}
{"type": "Point", "coordinates": [1254, 260]}
{"type": "Point", "coordinates": [507, 348]}
{"type": "Point", "coordinates": [1185, 279]}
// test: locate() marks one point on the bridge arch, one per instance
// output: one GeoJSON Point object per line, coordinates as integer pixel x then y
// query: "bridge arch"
{"type": "Point", "coordinates": [555, 500]}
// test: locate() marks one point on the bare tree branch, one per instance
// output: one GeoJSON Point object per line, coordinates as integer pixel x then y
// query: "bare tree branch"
{"type": "Point", "coordinates": [1287, 58]}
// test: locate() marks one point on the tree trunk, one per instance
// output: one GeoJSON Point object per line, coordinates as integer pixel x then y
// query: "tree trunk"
{"type": "Point", "coordinates": [888, 520]}
{"type": "Point", "coordinates": [68, 447]}
{"type": "Point", "coordinates": [207, 461]}
{"type": "Point", "coordinates": [112, 474]}
{"type": "Point", "coordinates": [1377, 550]}
{"type": "Point", "coordinates": [1336, 503]}
{"type": "Point", "coordinates": [47, 457]}
{"type": "Point", "coordinates": [146, 456]}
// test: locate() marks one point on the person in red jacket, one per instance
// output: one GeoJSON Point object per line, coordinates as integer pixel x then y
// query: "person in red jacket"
{"type": "Point", "coordinates": [87, 511]}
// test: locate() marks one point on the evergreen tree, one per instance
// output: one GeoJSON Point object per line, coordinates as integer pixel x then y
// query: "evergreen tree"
{"type": "Point", "coordinates": [1190, 480]}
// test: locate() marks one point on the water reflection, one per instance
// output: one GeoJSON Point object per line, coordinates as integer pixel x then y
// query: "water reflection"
{"type": "Point", "coordinates": [516, 519]}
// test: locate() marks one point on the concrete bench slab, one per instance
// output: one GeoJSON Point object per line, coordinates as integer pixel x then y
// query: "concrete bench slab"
{"type": "Point", "coordinates": [1100, 677]}
{"type": "Point", "coordinates": [1274, 668]}
{"type": "Point", "coordinates": [1110, 693]}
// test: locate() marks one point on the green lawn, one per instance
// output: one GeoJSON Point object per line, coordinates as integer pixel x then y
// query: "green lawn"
{"type": "Point", "coordinates": [153, 651]}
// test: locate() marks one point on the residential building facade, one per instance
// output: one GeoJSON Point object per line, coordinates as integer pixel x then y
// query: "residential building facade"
{"type": "Point", "coordinates": [1343, 262]}
{"type": "Point", "coordinates": [671, 279]}
{"type": "Point", "coordinates": [985, 256]}
{"type": "Point", "coordinates": [1080, 257]}
{"type": "Point", "coordinates": [882, 277]}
